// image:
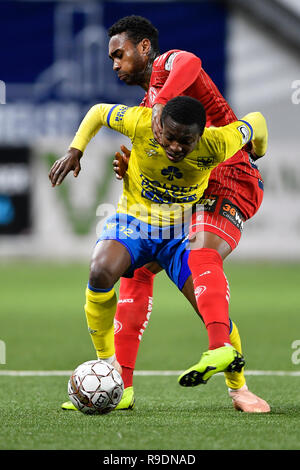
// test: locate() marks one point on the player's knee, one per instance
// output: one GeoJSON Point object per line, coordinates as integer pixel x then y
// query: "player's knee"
{"type": "Point", "coordinates": [101, 276]}
{"type": "Point", "coordinates": [207, 240]}
{"type": "Point", "coordinates": [197, 241]}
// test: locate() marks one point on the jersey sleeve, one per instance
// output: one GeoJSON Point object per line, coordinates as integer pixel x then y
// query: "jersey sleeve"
{"type": "Point", "coordinates": [225, 141]}
{"type": "Point", "coordinates": [184, 69]}
{"type": "Point", "coordinates": [260, 132]}
{"type": "Point", "coordinates": [118, 117]}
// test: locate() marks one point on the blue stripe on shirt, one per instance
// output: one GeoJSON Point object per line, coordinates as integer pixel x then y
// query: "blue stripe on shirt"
{"type": "Point", "coordinates": [109, 114]}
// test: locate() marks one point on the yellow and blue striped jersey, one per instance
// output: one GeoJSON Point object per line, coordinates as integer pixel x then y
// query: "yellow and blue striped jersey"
{"type": "Point", "coordinates": [156, 190]}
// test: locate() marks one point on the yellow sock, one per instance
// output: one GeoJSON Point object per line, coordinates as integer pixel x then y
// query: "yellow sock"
{"type": "Point", "coordinates": [235, 380]}
{"type": "Point", "coordinates": [100, 309]}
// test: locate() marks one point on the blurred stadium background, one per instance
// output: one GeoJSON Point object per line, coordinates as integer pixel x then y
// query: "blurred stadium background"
{"type": "Point", "coordinates": [54, 66]}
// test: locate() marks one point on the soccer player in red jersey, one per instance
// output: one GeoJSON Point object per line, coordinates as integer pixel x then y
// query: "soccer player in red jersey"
{"type": "Point", "coordinates": [234, 194]}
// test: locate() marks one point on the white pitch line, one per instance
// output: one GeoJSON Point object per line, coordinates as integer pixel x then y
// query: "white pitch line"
{"type": "Point", "coordinates": [67, 373]}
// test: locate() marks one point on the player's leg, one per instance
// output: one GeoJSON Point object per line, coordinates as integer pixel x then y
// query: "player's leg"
{"type": "Point", "coordinates": [215, 232]}
{"type": "Point", "coordinates": [174, 259]}
{"type": "Point", "coordinates": [234, 379]}
{"type": "Point", "coordinates": [117, 250]}
{"type": "Point", "coordinates": [207, 252]}
{"type": "Point", "coordinates": [223, 218]}
{"type": "Point", "coordinates": [210, 243]}
{"type": "Point", "coordinates": [132, 316]}
{"type": "Point", "coordinates": [212, 290]}
{"type": "Point", "coordinates": [110, 259]}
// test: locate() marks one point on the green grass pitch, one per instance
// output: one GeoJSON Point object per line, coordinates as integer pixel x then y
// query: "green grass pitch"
{"type": "Point", "coordinates": [43, 327]}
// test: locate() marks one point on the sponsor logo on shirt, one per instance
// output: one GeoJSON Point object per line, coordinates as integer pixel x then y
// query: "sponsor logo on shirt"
{"type": "Point", "coordinates": [207, 204]}
{"type": "Point", "coordinates": [232, 213]}
{"type": "Point", "coordinates": [163, 193]}
{"type": "Point", "coordinates": [120, 114]}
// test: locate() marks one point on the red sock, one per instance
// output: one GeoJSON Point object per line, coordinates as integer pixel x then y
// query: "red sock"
{"type": "Point", "coordinates": [212, 294]}
{"type": "Point", "coordinates": [127, 376]}
{"type": "Point", "coordinates": [131, 319]}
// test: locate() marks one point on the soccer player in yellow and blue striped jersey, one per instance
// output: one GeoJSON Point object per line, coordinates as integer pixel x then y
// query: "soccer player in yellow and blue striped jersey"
{"type": "Point", "coordinates": [153, 168]}
{"type": "Point", "coordinates": [152, 203]}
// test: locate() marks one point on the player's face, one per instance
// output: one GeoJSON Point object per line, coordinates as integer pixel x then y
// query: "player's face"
{"type": "Point", "coordinates": [178, 140]}
{"type": "Point", "coordinates": [129, 61]}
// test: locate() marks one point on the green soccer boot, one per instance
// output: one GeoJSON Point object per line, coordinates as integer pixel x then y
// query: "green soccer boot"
{"type": "Point", "coordinates": [127, 402]}
{"type": "Point", "coordinates": [213, 361]}
{"type": "Point", "coordinates": [68, 405]}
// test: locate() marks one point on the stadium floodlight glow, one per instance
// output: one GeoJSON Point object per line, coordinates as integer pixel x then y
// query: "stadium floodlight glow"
{"type": "Point", "coordinates": [2, 92]}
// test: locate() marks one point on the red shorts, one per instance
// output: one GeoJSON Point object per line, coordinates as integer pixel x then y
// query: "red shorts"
{"type": "Point", "coordinates": [231, 198]}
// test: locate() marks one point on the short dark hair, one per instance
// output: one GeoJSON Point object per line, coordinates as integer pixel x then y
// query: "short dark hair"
{"type": "Point", "coordinates": [137, 28]}
{"type": "Point", "coordinates": [185, 110]}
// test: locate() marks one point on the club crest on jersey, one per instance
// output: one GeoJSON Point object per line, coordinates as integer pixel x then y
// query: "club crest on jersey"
{"type": "Point", "coordinates": [171, 172]}
{"type": "Point", "coordinates": [204, 163]}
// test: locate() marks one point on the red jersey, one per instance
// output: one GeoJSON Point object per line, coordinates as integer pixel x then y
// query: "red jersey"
{"type": "Point", "coordinates": [176, 73]}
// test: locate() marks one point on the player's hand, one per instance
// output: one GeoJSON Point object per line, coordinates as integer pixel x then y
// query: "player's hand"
{"type": "Point", "coordinates": [156, 121]}
{"type": "Point", "coordinates": [120, 164]}
{"type": "Point", "coordinates": [63, 166]}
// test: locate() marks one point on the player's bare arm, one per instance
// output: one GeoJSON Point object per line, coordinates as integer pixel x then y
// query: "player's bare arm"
{"type": "Point", "coordinates": [63, 166]}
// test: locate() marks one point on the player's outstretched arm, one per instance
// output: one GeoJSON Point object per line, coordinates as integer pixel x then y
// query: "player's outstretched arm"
{"type": "Point", "coordinates": [63, 166]}
{"type": "Point", "coordinates": [117, 117]}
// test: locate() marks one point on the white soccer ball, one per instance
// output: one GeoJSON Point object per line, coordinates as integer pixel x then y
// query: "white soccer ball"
{"type": "Point", "coordinates": [95, 387]}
